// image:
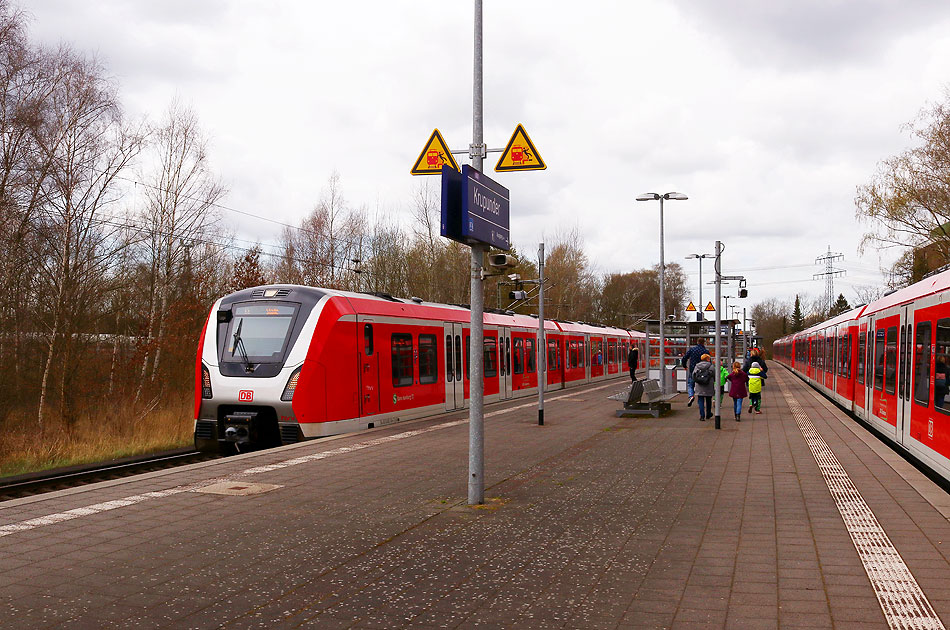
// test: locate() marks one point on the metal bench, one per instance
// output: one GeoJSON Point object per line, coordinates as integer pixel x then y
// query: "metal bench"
{"type": "Point", "coordinates": [645, 399]}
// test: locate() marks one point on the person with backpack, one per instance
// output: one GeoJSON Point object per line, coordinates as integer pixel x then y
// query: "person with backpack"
{"type": "Point", "coordinates": [738, 387]}
{"type": "Point", "coordinates": [756, 381]}
{"type": "Point", "coordinates": [689, 361]}
{"type": "Point", "coordinates": [704, 384]}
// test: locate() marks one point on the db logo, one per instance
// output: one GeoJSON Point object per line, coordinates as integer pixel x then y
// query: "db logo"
{"type": "Point", "coordinates": [246, 395]}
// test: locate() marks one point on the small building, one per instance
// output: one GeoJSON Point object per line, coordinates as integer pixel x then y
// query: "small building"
{"type": "Point", "coordinates": [681, 335]}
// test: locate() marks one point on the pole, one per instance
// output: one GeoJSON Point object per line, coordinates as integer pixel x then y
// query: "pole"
{"type": "Point", "coordinates": [699, 311]}
{"type": "Point", "coordinates": [476, 436]}
{"type": "Point", "coordinates": [745, 343]}
{"type": "Point", "coordinates": [662, 308]}
{"type": "Point", "coordinates": [718, 268]}
{"type": "Point", "coordinates": [542, 347]}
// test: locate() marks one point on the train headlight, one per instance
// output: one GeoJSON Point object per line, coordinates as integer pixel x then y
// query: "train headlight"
{"type": "Point", "coordinates": [205, 382]}
{"type": "Point", "coordinates": [291, 386]}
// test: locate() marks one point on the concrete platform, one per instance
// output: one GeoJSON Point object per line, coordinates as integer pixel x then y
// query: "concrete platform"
{"type": "Point", "coordinates": [590, 522]}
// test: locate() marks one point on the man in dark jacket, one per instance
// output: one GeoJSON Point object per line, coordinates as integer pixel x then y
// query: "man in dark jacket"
{"type": "Point", "coordinates": [755, 356]}
{"type": "Point", "coordinates": [633, 361]}
{"type": "Point", "coordinates": [690, 359]}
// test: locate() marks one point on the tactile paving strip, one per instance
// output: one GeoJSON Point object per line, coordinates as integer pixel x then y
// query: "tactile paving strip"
{"type": "Point", "coordinates": [901, 598]}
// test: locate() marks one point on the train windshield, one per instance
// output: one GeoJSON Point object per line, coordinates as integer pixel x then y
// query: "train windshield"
{"type": "Point", "coordinates": [258, 333]}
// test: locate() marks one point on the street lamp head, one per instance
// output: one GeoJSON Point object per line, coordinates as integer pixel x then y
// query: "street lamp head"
{"type": "Point", "coordinates": [678, 196]}
{"type": "Point", "coordinates": [647, 197]}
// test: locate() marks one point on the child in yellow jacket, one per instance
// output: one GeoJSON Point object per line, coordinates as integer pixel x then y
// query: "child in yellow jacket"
{"type": "Point", "coordinates": [756, 380]}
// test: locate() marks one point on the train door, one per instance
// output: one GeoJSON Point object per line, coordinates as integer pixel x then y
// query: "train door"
{"type": "Point", "coordinates": [504, 363]}
{"type": "Point", "coordinates": [884, 395]}
{"type": "Point", "coordinates": [369, 371]}
{"type": "Point", "coordinates": [903, 375]}
{"type": "Point", "coordinates": [454, 367]}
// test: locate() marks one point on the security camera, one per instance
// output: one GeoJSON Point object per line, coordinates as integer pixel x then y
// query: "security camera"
{"type": "Point", "coordinates": [517, 295]}
{"type": "Point", "coordinates": [502, 261]}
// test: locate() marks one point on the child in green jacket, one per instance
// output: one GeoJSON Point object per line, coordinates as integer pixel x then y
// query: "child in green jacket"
{"type": "Point", "coordinates": [756, 380]}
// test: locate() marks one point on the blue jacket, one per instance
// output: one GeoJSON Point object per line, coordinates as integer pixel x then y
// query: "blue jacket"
{"type": "Point", "coordinates": [693, 356]}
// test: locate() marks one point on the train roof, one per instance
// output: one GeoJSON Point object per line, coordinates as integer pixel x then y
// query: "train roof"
{"type": "Point", "coordinates": [928, 286]}
{"type": "Point", "coordinates": [383, 304]}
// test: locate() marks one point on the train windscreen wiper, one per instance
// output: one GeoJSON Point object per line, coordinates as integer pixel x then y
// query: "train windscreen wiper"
{"type": "Point", "coordinates": [238, 344]}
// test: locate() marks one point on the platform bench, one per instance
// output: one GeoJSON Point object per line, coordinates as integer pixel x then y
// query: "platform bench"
{"type": "Point", "coordinates": [645, 399]}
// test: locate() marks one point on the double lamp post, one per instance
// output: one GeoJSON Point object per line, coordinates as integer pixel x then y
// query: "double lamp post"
{"type": "Point", "coordinates": [651, 197]}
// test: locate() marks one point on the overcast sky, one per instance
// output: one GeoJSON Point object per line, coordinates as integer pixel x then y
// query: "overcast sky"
{"type": "Point", "coordinates": [768, 114]}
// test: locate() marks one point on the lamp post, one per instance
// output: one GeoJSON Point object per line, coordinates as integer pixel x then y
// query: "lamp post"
{"type": "Point", "coordinates": [699, 257]}
{"type": "Point", "coordinates": [651, 197]}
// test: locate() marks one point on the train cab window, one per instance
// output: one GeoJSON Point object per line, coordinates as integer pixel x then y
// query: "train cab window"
{"type": "Point", "coordinates": [518, 357]}
{"type": "Point", "coordinates": [449, 371]}
{"type": "Point", "coordinates": [459, 375]}
{"type": "Point", "coordinates": [922, 365]}
{"type": "Point", "coordinates": [368, 339]}
{"type": "Point", "coordinates": [428, 359]}
{"type": "Point", "coordinates": [941, 368]}
{"type": "Point", "coordinates": [491, 357]}
{"type": "Point", "coordinates": [529, 355]}
{"type": "Point", "coordinates": [890, 361]}
{"type": "Point", "coordinates": [862, 342]}
{"type": "Point", "coordinates": [402, 359]}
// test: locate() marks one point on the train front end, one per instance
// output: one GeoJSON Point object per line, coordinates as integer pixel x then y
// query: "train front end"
{"type": "Point", "coordinates": [249, 361]}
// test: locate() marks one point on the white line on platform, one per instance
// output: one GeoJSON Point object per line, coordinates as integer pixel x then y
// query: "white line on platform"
{"type": "Point", "coordinates": [904, 603]}
{"type": "Point", "coordinates": [51, 519]}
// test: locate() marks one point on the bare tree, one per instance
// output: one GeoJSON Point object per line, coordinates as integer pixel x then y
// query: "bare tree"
{"type": "Point", "coordinates": [88, 146]}
{"type": "Point", "coordinates": [181, 195]}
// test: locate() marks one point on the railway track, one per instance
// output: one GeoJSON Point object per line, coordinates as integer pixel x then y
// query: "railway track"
{"type": "Point", "coordinates": [73, 476]}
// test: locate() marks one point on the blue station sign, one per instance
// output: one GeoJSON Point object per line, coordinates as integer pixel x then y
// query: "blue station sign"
{"type": "Point", "coordinates": [475, 208]}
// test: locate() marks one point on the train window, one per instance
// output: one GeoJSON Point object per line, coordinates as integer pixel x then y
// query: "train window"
{"type": "Point", "coordinates": [491, 357]}
{"type": "Point", "coordinates": [402, 359]}
{"type": "Point", "coordinates": [519, 355]}
{"type": "Point", "coordinates": [862, 342]}
{"type": "Point", "coordinates": [468, 356]}
{"type": "Point", "coordinates": [368, 339]}
{"type": "Point", "coordinates": [922, 365]}
{"type": "Point", "coordinates": [458, 358]}
{"type": "Point", "coordinates": [941, 370]}
{"type": "Point", "coordinates": [507, 355]}
{"type": "Point", "coordinates": [902, 363]}
{"type": "Point", "coordinates": [910, 357]}
{"type": "Point", "coordinates": [552, 355]}
{"type": "Point", "coordinates": [449, 372]}
{"type": "Point", "coordinates": [529, 355]}
{"type": "Point", "coordinates": [879, 359]}
{"type": "Point", "coordinates": [428, 359]}
{"type": "Point", "coordinates": [890, 361]}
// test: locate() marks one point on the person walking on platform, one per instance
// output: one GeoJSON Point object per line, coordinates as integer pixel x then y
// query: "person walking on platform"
{"type": "Point", "coordinates": [738, 390]}
{"type": "Point", "coordinates": [723, 379]}
{"type": "Point", "coordinates": [633, 361]}
{"type": "Point", "coordinates": [755, 356]}
{"type": "Point", "coordinates": [704, 384]}
{"type": "Point", "coordinates": [756, 381]}
{"type": "Point", "coordinates": [690, 359]}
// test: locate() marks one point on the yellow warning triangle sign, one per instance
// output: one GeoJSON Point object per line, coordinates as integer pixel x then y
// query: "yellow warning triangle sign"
{"type": "Point", "coordinates": [434, 155]}
{"type": "Point", "coordinates": [690, 307]}
{"type": "Point", "coordinates": [710, 307]}
{"type": "Point", "coordinates": [520, 154]}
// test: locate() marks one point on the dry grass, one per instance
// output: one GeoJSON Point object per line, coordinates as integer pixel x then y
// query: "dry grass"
{"type": "Point", "coordinates": [105, 433]}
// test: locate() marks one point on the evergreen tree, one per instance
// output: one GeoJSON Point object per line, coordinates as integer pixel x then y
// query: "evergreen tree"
{"type": "Point", "coordinates": [840, 306]}
{"type": "Point", "coordinates": [798, 318]}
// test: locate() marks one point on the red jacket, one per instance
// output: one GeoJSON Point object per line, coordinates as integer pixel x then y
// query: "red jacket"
{"type": "Point", "coordinates": [738, 384]}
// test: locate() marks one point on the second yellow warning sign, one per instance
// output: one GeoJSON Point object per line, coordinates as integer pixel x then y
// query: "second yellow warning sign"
{"type": "Point", "coordinates": [520, 154]}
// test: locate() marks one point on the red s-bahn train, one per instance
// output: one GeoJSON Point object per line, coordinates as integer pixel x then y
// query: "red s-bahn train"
{"type": "Point", "coordinates": [278, 364]}
{"type": "Point", "coordinates": [886, 362]}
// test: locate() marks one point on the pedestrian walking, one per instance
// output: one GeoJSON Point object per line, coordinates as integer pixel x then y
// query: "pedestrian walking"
{"type": "Point", "coordinates": [756, 382]}
{"type": "Point", "coordinates": [704, 383]}
{"type": "Point", "coordinates": [755, 356]}
{"type": "Point", "coordinates": [738, 388]}
{"type": "Point", "coordinates": [633, 361]}
{"type": "Point", "coordinates": [723, 376]}
{"type": "Point", "coordinates": [693, 356]}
